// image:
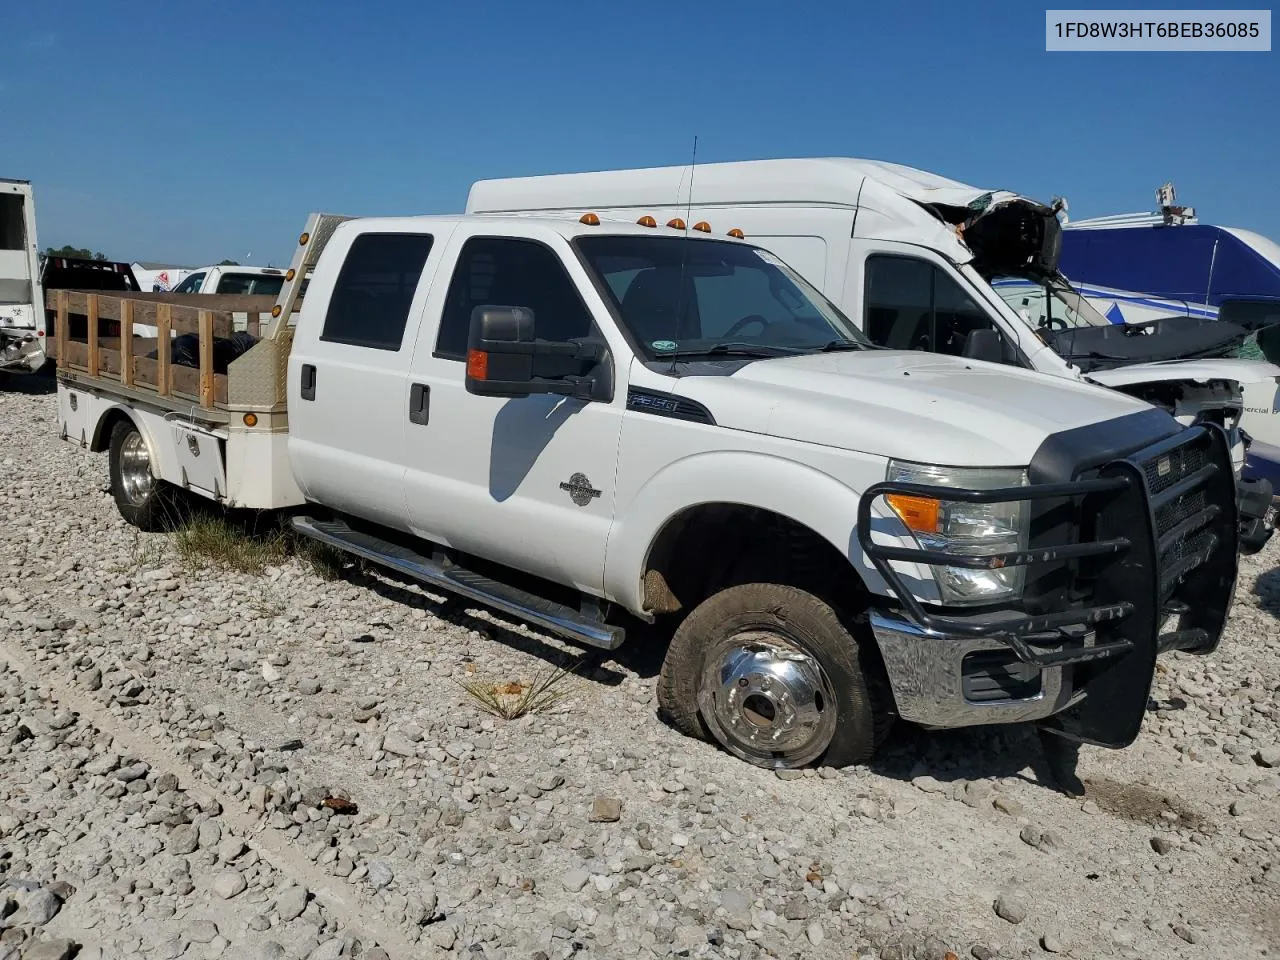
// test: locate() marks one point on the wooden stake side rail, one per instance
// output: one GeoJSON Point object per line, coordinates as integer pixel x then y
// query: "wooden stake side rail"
{"type": "Point", "coordinates": [96, 336]}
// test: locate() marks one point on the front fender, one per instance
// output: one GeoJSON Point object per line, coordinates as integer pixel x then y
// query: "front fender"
{"type": "Point", "coordinates": [802, 493]}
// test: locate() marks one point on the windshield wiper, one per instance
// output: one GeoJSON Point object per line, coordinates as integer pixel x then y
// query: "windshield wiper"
{"type": "Point", "coordinates": [833, 345]}
{"type": "Point", "coordinates": [731, 350]}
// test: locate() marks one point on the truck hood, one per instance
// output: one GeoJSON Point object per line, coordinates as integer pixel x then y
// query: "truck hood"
{"type": "Point", "coordinates": [905, 404]}
{"type": "Point", "coordinates": [1197, 371]}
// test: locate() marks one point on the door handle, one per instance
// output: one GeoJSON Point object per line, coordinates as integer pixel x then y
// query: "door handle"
{"type": "Point", "coordinates": [308, 381]}
{"type": "Point", "coordinates": [419, 403]}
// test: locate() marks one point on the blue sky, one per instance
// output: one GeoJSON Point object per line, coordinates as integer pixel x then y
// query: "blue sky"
{"type": "Point", "coordinates": [191, 132]}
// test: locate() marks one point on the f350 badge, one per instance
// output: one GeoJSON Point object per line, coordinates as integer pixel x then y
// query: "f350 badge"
{"type": "Point", "coordinates": [579, 489]}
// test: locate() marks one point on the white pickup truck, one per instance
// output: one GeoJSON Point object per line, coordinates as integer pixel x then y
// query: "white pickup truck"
{"type": "Point", "coordinates": [921, 262]}
{"type": "Point", "coordinates": [832, 534]}
{"type": "Point", "coordinates": [233, 279]}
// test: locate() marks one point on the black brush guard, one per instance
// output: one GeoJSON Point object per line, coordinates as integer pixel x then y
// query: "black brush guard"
{"type": "Point", "coordinates": [1116, 551]}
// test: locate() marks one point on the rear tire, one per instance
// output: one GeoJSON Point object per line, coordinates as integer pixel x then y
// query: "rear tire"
{"type": "Point", "coordinates": [771, 674]}
{"type": "Point", "coordinates": [148, 503]}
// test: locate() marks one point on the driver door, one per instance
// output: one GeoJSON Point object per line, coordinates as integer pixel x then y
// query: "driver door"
{"type": "Point", "coordinates": [911, 303]}
{"type": "Point", "coordinates": [527, 482]}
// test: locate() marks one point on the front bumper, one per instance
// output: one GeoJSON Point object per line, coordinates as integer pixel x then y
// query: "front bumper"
{"type": "Point", "coordinates": [1121, 549]}
{"type": "Point", "coordinates": [943, 680]}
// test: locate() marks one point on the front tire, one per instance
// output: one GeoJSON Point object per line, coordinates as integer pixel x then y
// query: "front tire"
{"type": "Point", "coordinates": [143, 500]}
{"type": "Point", "coordinates": [771, 674]}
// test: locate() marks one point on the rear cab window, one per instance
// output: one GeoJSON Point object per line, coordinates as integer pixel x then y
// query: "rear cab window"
{"type": "Point", "coordinates": [374, 290]}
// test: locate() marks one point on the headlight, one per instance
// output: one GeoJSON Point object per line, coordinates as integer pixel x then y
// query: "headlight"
{"type": "Point", "coordinates": [970, 529]}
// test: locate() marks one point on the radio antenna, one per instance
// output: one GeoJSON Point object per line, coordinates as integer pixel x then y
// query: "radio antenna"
{"type": "Point", "coordinates": [684, 251]}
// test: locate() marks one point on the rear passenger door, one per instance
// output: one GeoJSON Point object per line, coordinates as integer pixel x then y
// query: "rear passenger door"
{"type": "Point", "coordinates": [348, 391]}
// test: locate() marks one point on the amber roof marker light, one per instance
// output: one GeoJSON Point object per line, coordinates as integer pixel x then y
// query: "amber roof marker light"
{"type": "Point", "coordinates": [590, 219]}
{"type": "Point", "coordinates": [702, 226]}
{"type": "Point", "coordinates": [675, 223]}
{"type": "Point", "coordinates": [647, 221]}
{"type": "Point", "coordinates": [737, 234]}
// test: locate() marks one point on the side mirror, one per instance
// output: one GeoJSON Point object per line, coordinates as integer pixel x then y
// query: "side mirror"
{"type": "Point", "coordinates": [984, 345]}
{"type": "Point", "coordinates": [505, 358]}
{"type": "Point", "coordinates": [500, 352]}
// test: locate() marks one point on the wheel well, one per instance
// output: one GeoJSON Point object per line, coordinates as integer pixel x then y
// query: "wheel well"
{"type": "Point", "coordinates": [712, 546]}
{"type": "Point", "coordinates": [102, 433]}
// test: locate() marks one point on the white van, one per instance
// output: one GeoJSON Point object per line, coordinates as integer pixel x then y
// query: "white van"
{"type": "Point", "coordinates": [22, 333]}
{"type": "Point", "coordinates": [908, 255]}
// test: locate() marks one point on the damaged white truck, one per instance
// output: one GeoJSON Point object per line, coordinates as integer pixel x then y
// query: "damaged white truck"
{"type": "Point", "coordinates": [22, 329]}
{"type": "Point", "coordinates": [921, 262]}
{"type": "Point", "coordinates": [832, 534]}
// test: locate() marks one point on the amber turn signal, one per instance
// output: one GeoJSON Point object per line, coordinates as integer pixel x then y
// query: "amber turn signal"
{"type": "Point", "coordinates": [477, 365]}
{"type": "Point", "coordinates": [289, 275]}
{"type": "Point", "coordinates": [920, 514]}
{"type": "Point", "coordinates": [302, 240]}
{"type": "Point", "coordinates": [250, 419]}
{"type": "Point", "coordinates": [275, 311]}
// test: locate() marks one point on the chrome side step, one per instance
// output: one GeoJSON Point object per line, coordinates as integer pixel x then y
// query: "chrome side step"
{"type": "Point", "coordinates": [551, 616]}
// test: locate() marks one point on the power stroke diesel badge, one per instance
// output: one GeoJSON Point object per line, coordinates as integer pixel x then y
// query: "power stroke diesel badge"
{"type": "Point", "coordinates": [579, 489]}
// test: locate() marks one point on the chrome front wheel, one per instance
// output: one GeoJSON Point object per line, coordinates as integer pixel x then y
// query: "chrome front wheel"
{"type": "Point", "coordinates": [766, 699]}
{"type": "Point", "coordinates": [774, 676]}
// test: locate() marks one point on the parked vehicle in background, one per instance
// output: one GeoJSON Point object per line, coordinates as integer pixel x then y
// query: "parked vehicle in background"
{"type": "Point", "coordinates": [1163, 266]}
{"type": "Point", "coordinates": [912, 258]}
{"type": "Point", "coordinates": [22, 332]}
{"type": "Point", "coordinates": [250, 281]}
{"type": "Point", "coordinates": [544, 417]}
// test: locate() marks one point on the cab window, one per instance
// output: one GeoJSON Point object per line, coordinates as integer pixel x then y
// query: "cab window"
{"type": "Point", "coordinates": [910, 304]}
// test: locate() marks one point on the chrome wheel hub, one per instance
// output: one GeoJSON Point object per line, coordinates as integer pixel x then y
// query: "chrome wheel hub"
{"type": "Point", "coordinates": [767, 700]}
{"type": "Point", "coordinates": [136, 479]}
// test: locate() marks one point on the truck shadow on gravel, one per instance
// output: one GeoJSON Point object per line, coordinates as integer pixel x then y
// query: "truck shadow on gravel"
{"type": "Point", "coordinates": [1267, 590]}
{"type": "Point", "coordinates": [957, 756]}
{"type": "Point", "coordinates": [594, 665]}
{"type": "Point", "coordinates": [39, 384]}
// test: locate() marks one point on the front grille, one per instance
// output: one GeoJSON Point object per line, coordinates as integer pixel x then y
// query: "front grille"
{"type": "Point", "coordinates": [1188, 500]}
{"type": "Point", "coordinates": [1166, 469]}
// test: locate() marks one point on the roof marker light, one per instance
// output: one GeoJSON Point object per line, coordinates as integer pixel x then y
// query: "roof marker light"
{"type": "Point", "coordinates": [647, 221]}
{"type": "Point", "coordinates": [591, 220]}
{"type": "Point", "coordinates": [703, 226]}
{"type": "Point", "coordinates": [675, 223]}
{"type": "Point", "coordinates": [737, 234]}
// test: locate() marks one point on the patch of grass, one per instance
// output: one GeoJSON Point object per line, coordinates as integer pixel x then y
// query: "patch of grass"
{"type": "Point", "coordinates": [212, 541]}
{"type": "Point", "coordinates": [325, 562]}
{"type": "Point", "coordinates": [512, 699]}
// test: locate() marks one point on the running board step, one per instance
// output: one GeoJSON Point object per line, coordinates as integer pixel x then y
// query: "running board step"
{"type": "Point", "coordinates": [551, 616]}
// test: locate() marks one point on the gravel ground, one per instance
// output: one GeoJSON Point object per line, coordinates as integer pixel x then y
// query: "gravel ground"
{"type": "Point", "coordinates": [203, 764]}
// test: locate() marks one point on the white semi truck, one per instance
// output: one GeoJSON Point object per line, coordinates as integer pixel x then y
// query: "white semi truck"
{"type": "Point", "coordinates": [919, 262]}
{"type": "Point", "coordinates": [832, 534]}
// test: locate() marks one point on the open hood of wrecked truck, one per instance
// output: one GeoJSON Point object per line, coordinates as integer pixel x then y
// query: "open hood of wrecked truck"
{"type": "Point", "coordinates": [1005, 232]}
{"type": "Point", "coordinates": [1196, 371]}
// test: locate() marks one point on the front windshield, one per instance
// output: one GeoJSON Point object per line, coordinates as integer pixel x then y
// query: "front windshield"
{"type": "Point", "coordinates": [688, 297]}
{"type": "Point", "coordinates": [1048, 305]}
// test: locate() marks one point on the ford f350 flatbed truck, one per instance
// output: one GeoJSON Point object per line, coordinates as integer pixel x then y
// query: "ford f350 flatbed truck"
{"type": "Point", "coordinates": [832, 534]}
